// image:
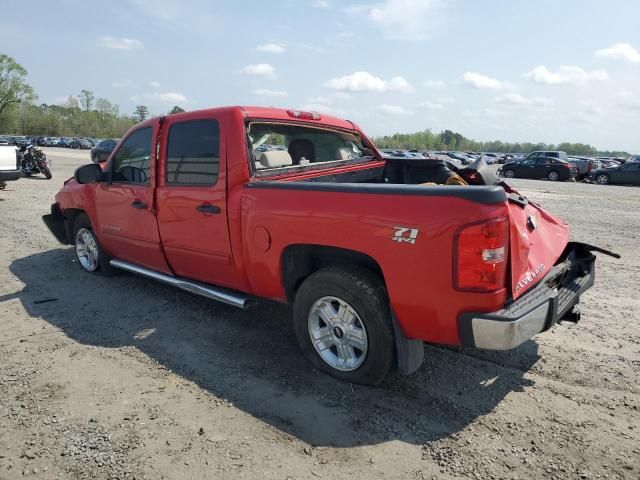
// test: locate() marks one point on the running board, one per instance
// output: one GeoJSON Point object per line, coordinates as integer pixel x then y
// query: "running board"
{"type": "Point", "coordinates": [209, 291]}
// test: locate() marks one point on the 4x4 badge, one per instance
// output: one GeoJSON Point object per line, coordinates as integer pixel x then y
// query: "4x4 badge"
{"type": "Point", "coordinates": [404, 234]}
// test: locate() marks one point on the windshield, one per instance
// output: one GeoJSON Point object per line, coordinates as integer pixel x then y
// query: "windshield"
{"type": "Point", "coordinates": [282, 146]}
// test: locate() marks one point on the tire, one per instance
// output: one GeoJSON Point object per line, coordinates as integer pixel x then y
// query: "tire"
{"type": "Point", "coordinates": [47, 172]}
{"type": "Point", "coordinates": [360, 349]}
{"type": "Point", "coordinates": [509, 173]}
{"type": "Point", "coordinates": [602, 179]}
{"type": "Point", "coordinates": [553, 176]}
{"type": "Point", "coordinates": [95, 260]}
{"type": "Point", "coordinates": [95, 158]}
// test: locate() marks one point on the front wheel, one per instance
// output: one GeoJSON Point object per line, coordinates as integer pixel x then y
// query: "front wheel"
{"type": "Point", "coordinates": [91, 257]}
{"type": "Point", "coordinates": [47, 172]}
{"type": "Point", "coordinates": [343, 324]}
{"type": "Point", "coordinates": [553, 176]}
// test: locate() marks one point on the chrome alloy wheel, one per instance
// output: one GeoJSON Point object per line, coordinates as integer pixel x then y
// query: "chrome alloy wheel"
{"type": "Point", "coordinates": [87, 249]}
{"type": "Point", "coordinates": [338, 334]}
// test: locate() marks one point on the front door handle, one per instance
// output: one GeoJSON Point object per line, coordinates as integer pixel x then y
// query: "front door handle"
{"type": "Point", "coordinates": [139, 205]}
{"type": "Point", "coordinates": [208, 208]}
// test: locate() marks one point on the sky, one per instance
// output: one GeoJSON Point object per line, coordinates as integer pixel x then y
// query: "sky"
{"type": "Point", "coordinates": [511, 70]}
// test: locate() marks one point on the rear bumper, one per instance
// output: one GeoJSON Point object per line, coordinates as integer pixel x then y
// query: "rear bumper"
{"type": "Point", "coordinates": [10, 175]}
{"type": "Point", "coordinates": [551, 301]}
{"type": "Point", "coordinates": [55, 223]}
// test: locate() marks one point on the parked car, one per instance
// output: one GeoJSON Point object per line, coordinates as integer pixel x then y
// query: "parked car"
{"type": "Point", "coordinates": [20, 141]}
{"type": "Point", "coordinates": [627, 173]}
{"type": "Point", "coordinates": [584, 166]}
{"type": "Point", "coordinates": [373, 262]}
{"type": "Point", "coordinates": [4, 140]}
{"type": "Point", "coordinates": [81, 143]}
{"type": "Point", "coordinates": [539, 165]}
{"type": "Point", "coordinates": [101, 152]}
{"type": "Point", "coordinates": [10, 168]}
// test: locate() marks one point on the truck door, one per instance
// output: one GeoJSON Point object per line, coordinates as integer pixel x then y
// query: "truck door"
{"type": "Point", "coordinates": [192, 204]}
{"type": "Point", "coordinates": [126, 221]}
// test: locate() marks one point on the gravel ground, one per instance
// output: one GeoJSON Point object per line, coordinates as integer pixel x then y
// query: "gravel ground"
{"type": "Point", "coordinates": [122, 378]}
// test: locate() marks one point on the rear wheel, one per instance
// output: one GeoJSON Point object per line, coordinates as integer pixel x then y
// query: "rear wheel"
{"type": "Point", "coordinates": [602, 179]}
{"type": "Point", "coordinates": [343, 325]}
{"type": "Point", "coordinates": [553, 176]}
{"type": "Point", "coordinates": [509, 173]}
{"type": "Point", "coordinates": [91, 257]}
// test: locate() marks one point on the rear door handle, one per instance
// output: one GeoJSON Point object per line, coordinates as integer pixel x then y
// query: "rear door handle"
{"type": "Point", "coordinates": [139, 205]}
{"type": "Point", "coordinates": [208, 208]}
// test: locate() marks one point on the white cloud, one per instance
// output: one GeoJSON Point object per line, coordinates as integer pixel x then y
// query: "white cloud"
{"type": "Point", "coordinates": [265, 92]}
{"type": "Point", "coordinates": [260, 70]}
{"type": "Point", "coordinates": [392, 109]}
{"type": "Point", "coordinates": [431, 105]}
{"type": "Point", "coordinates": [323, 100]}
{"type": "Point", "coordinates": [518, 100]}
{"type": "Point", "coordinates": [620, 51]}
{"type": "Point", "coordinates": [120, 43]}
{"type": "Point", "coordinates": [154, 84]}
{"type": "Point", "coordinates": [320, 4]}
{"type": "Point", "coordinates": [165, 97]}
{"type": "Point", "coordinates": [365, 82]}
{"type": "Point", "coordinates": [478, 80]}
{"type": "Point", "coordinates": [566, 75]}
{"type": "Point", "coordinates": [484, 114]}
{"type": "Point", "coordinates": [123, 84]}
{"type": "Point", "coordinates": [412, 20]}
{"type": "Point", "coordinates": [271, 48]}
{"type": "Point", "coordinates": [433, 84]}
{"type": "Point", "coordinates": [317, 107]}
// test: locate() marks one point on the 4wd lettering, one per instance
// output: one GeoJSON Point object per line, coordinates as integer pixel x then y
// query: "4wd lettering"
{"type": "Point", "coordinates": [404, 234]}
{"type": "Point", "coordinates": [530, 277]}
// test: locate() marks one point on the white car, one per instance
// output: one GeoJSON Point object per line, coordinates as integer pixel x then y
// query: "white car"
{"type": "Point", "coordinates": [10, 168]}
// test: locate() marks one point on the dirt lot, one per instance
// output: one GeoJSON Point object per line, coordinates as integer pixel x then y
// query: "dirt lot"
{"type": "Point", "coordinates": [125, 378]}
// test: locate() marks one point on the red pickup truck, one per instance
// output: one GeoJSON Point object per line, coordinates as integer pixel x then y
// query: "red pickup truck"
{"type": "Point", "coordinates": [376, 256]}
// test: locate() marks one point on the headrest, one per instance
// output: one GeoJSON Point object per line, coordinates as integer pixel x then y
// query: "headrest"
{"type": "Point", "coordinates": [275, 158]}
{"type": "Point", "coordinates": [344, 153]}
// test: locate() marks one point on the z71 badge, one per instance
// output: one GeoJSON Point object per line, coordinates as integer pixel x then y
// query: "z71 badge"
{"type": "Point", "coordinates": [404, 234]}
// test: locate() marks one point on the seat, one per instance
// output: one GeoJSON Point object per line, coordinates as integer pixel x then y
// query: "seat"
{"type": "Point", "coordinates": [302, 148]}
{"type": "Point", "coordinates": [275, 158]}
{"type": "Point", "coordinates": [343, 153]}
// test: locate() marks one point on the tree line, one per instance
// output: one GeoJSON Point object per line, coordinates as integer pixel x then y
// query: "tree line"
{"type": "Point", "coordinates": [452, 141]}
{"type": "Point", "coordinates": [86, 116]}
{"type": "Point", "coordinates": [82, 115]}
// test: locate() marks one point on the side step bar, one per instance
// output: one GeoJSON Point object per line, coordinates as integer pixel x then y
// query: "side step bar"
{"type": "Point", "coordinates": [209, 291]}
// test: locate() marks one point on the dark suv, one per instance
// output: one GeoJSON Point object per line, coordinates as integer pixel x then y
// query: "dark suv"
{"type": "Point", "coordinates": [551, 165]}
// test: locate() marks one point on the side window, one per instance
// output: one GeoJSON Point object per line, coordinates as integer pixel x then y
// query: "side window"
{"type": "Point", "coordinates": [132, 163]}
{"type": "Point", "coordinates": [529, 161]}
{"type": "Point", "coordinates": [193, 153]}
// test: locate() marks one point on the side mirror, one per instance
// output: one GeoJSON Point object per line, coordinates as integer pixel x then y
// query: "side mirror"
{"type": "Point", "coordinates": [88, 173]}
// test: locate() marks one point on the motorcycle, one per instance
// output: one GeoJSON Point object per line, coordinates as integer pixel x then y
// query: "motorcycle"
{"type": "Point", "coordinates": [35, 161]}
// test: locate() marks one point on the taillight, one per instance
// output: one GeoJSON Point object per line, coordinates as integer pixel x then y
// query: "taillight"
{"type": "Point", "coordinates": [480, 256]}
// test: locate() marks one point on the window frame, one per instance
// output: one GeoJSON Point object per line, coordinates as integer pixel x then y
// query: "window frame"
{"type": "Point", "coordinates": [166, 154]}
{"type": "Point", "coordinates": [314, 166]}
{"type": "Point", "coordinates": [115, 154]}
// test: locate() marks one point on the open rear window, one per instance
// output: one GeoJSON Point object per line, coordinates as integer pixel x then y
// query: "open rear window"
{"type": "Point", "coordinates": [281, 147]}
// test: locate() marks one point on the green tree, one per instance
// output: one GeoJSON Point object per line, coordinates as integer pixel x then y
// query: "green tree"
{"type": "Point", "coordinates": [13, 86]}
{"type": "Point", "coordinates": [86, 99]}
{"type": "Point", "coordinates": [141, 113]}
{"type": "Point", "coordinates": [176, 109]}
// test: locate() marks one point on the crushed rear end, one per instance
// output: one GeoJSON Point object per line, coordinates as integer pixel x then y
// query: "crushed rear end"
{"type": "Point", "coordinates": [547, 275]}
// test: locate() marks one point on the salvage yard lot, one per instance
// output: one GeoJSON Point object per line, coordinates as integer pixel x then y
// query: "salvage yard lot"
{"type": "Point", "coordinates": [122, 377]}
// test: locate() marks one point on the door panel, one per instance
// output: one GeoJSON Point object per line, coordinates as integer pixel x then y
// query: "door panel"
{"type": "Point", "coordinates": [192, 207]}
{"type": "Point", "coordinates": [127, 226]}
